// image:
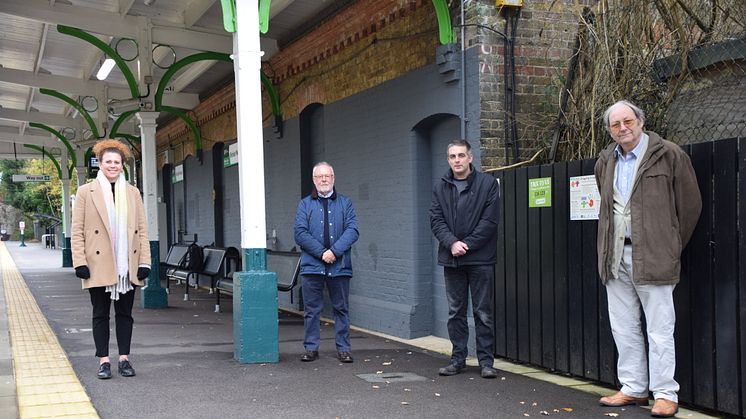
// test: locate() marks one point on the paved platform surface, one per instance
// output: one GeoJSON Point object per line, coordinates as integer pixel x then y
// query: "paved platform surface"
{"type": "Point", "coordinates": [183, 356]}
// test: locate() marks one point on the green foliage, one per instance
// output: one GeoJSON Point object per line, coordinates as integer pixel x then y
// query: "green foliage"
{"type": "Point", "coordinates": [32, 197]}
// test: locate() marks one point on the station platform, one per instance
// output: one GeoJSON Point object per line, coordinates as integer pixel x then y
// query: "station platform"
{"type": "Point", "coordinates": [183, 356]}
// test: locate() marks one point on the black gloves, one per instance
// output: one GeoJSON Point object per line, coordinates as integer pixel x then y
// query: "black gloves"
{"type": "Point", "coordinates": [142, 273]}
{"type": "Point", "coordinates": [82, 272]}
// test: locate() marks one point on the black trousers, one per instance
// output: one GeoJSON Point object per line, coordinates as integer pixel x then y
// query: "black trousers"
{"type": "Point", "coordinates": [101, 302]}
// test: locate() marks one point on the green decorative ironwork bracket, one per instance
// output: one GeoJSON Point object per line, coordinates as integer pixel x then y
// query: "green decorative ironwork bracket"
{"type": "Point", "coordinates": [274, 98]}
{"type": "Point", "coordinates": [74, 103]}
{"type": "Point", "coordinates": [202, 56]}
{"type": "Point", "coordinates": [123, 117]}
{"type": "Point", "coordinates": [109, 51]}
{"type": "Point", "coordinates": [48, 154]}
{"type": "Point", "coordinates": [70, 150]}
{"type": "Point", "coordinates": [264, 15]}
{"type": "Point", "coordinates": [445, 29]}
{"type": "Point", "coordinates": [229, 15]}
{"type": "Point", "coordinates": [183, 116]}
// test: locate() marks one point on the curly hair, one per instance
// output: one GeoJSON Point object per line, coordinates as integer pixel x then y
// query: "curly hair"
{"type": "Point", "coordinates": [110, 145]}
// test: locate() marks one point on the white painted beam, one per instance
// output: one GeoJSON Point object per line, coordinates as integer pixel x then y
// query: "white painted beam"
{"type": "Point", "coordinates": [201, 41]}
{"type": "Point", "coordinates": [69, 85]}
{"type": "Point", "coordinates": [195, 10]}
{"type": "Point", "coordinates": [41, 141]}
{"type": "Point", "coordinates": [114, 24]}
{"type": "Point", "coordinates": [50, 119]}
{"type": "Point", "coordinates": [86, 18]}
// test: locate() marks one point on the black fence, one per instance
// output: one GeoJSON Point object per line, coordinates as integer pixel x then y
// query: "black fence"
{"type": "Point", "coordinates": [552, 308]}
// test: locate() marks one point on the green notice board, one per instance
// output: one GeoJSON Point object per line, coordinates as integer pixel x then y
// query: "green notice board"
{"type": "Point", "coordinates": [540, 192]}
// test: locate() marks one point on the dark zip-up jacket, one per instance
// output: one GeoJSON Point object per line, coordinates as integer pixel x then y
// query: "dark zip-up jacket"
{"type": "Point", "coordinates": [309, 234]}
{"type": "Point", "coordinates": [473, 219]}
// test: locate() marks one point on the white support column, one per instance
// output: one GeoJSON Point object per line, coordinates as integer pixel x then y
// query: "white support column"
{"type": "Point", "coordinates": [67, 257]}
{"type": "Point", "coordinates": [153, 295]}
{"type": "Point", "coordinates": [247, 65]}
{"type": "Point", "coordinates": [255, 328]}
{"type": "Point", "coordinates": [81, 167]}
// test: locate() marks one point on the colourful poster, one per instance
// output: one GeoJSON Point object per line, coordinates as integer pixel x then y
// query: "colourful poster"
{"type": "Point", "coordinates": [540, 192]}
{"type": "Point", "coordinates": [585, 200]}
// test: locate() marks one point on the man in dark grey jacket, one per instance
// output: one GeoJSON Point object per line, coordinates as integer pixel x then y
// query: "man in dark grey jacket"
{"type": "Point", "coordinates": [650, 204]}
{"type": "Point", "coordinates": [463, 217]}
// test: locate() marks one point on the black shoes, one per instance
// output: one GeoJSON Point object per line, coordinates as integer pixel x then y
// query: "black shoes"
{"type": "Point", "coordinates": [125, 369]}
{"type": "Point", "coordinates": [310, 356]}
{"type": "Point", "coordinates": [451, 369]}
{"type": "Point", "coordinates": [488, 372]}
{"type": "Point", "coordinates": [104, 371]}
{"type": "Point", "coordinates": [345, 357]}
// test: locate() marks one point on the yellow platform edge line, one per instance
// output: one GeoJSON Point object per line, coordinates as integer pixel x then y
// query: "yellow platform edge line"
{"type": "Point", "coordinates": [32, 341]}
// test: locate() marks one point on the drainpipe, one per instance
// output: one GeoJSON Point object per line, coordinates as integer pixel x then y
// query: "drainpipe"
{"type": "Point", "coordinates": [463, 74]}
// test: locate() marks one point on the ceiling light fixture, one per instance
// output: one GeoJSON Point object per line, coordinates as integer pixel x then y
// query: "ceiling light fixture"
{"type": "Point", "coordinates": [105, 69]}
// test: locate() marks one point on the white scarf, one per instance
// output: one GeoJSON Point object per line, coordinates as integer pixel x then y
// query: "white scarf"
{"type": "Point", "coordinates": [117, 211]}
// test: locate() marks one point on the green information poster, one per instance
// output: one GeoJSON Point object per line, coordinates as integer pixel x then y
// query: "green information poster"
{"type": "Point", "coordinates": [540, 192]}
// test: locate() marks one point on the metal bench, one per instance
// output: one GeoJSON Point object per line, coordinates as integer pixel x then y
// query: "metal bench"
{"type": "Point", "coordinates": [285, 264]}
{"type": "Point", "coordinates": [212, 264]}
{"type": "Point", "coordinates": [173, 259]}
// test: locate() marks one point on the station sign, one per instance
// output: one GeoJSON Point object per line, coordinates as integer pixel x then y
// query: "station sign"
{"type": "Point", "coordinates": [230, 155]}
{"type": "Point", "coordinates": [178, 174]}
{"type": "Point", "coordinates": [31, 178]}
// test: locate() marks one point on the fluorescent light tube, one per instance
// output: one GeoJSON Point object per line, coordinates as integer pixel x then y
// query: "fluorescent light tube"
{"type": "Point", "coordinates": [105, 69]}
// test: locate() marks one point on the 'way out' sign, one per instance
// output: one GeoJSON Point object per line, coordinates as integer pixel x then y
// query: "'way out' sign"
{"type": "Point", "coordinates": [31, 178]}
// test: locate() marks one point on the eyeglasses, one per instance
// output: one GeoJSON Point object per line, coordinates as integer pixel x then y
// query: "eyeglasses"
{"type": "Point", "coordinates": [323, 176]}
{"type": "Point", "coordinates": [616, 126]}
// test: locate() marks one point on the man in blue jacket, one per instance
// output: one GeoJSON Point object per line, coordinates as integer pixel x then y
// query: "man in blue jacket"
{"type": "Point", "coordinates": [463, 217]}
{"type": "Point", "coordinates": [325, 230]}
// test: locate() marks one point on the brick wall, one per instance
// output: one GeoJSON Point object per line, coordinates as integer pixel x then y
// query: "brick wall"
{"type": "Point", "coordinates": [363, 46]}
{"type": "Point", "coordinates": [545, 38]}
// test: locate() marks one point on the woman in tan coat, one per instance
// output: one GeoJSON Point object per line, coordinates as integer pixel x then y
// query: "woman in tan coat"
{"type": "Point", "coordinates": [111, 252]}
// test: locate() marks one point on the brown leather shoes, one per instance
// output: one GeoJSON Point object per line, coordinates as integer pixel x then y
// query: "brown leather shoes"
{"type": "Point", "coordinates": [621, 399]}
{"type": "Point", "coordinates": [664, 408]}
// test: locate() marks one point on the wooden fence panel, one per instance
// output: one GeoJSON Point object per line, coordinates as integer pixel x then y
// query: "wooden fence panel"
{"type": "Point", "coordinates": [534, 272]}
{"type": "Point", "coordinates": [701, 284]}
{"type": "Point", "coordinates": [725, 275]}
{"type": "Point", "coordinates": [683, 334]}
{"type": "Point", "coordinates": [590, 291]}
{"type": "Point", "coordinates": [548, 311]}
{"type": "Point", "coordinates": [501, 337]}
{"type": "Point", "coordinates": [511, 293]}
{"type": "Point", "coordinates": [575, 285]}
{"type": "Point", "coordinates": [742, 268]}
{"type": "Point", "coordinates": [521, 223]}
{"type": "Point", "coordinates": [561, 206]}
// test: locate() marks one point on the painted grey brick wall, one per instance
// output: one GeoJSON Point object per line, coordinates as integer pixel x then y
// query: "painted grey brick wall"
{"type": "Point", "coordinates": [231, 207]}
{"type": "Point", "coordinates": [369, 139]}
{"type": "Point", "coordinates": [200, 209]}
{"type": "Point", "coordinates": [282, 187]}
{"type": "Point", "coordinates": [178, 209]}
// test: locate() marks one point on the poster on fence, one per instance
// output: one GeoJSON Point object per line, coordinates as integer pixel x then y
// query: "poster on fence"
{"type": "Point", "coordinates": [584, 198]}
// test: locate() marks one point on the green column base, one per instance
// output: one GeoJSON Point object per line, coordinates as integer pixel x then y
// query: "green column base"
{"type": "Point", "coordinates": [154, 295]}
{"type": "Point", "coordinates": [67, 254]}
{"type": "Point", "coordinates": [255, 320]}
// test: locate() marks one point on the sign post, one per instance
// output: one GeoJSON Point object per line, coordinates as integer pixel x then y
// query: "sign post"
{"type": "Point", "coordinates": [22, 226]}
{"type": "Point", "coordinates": [31, 178]}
